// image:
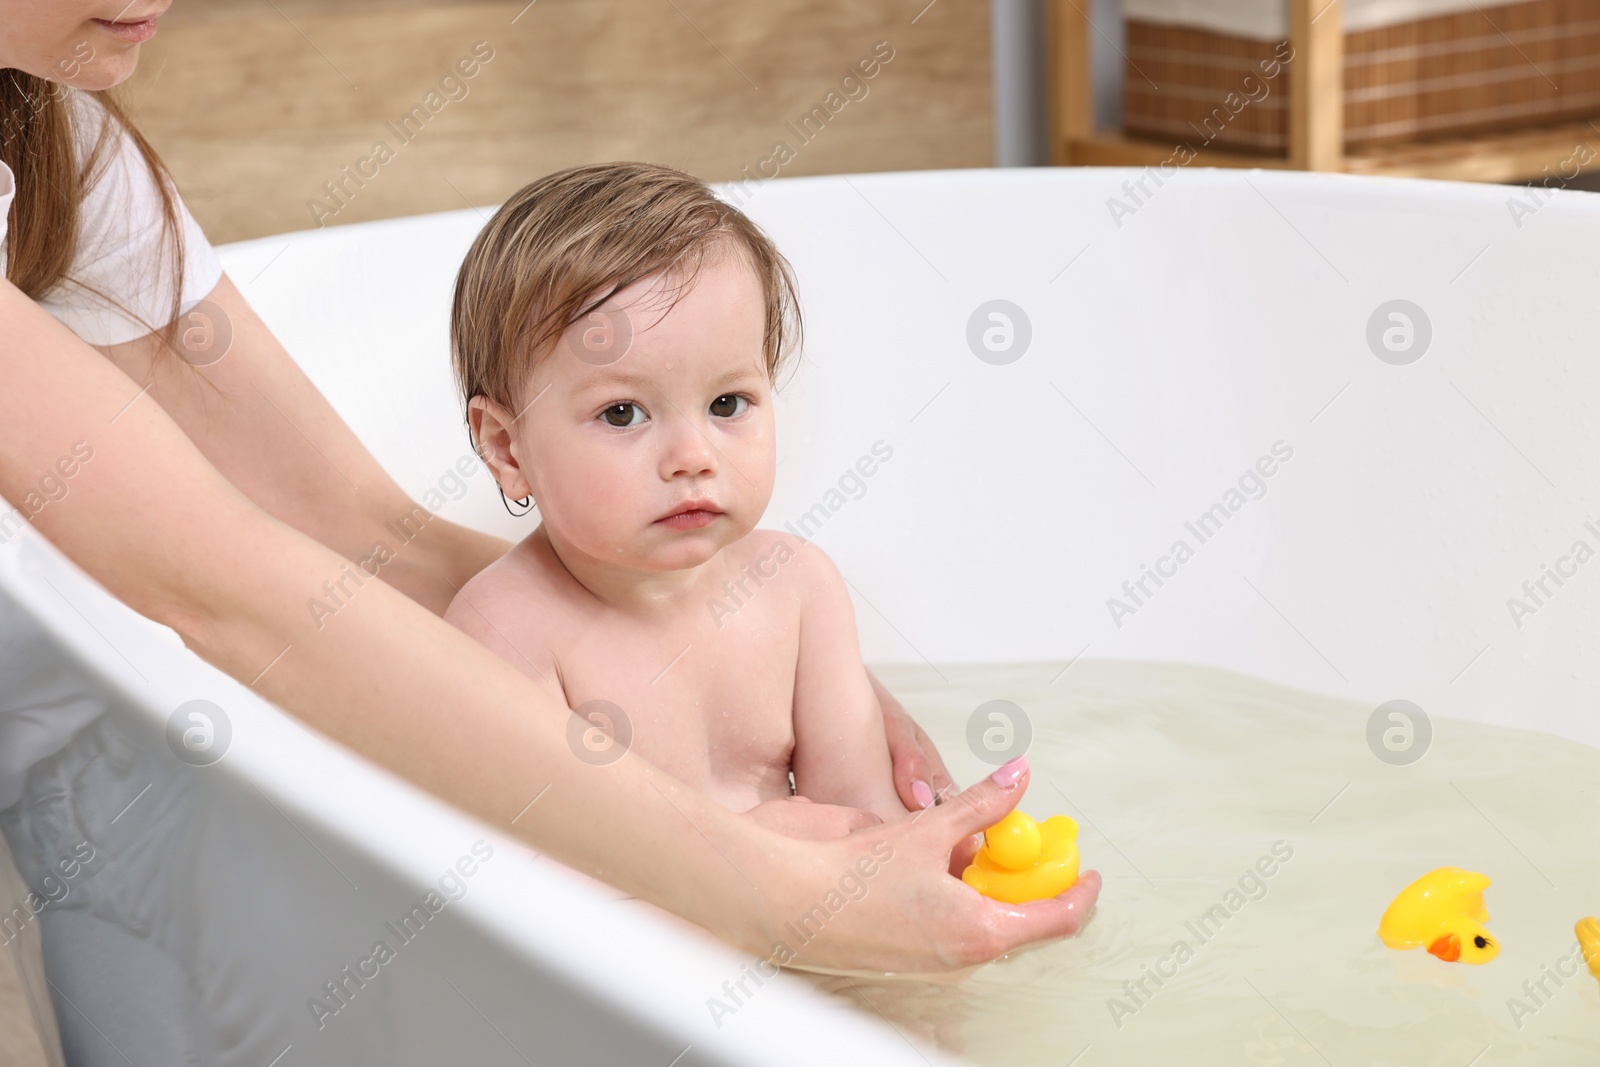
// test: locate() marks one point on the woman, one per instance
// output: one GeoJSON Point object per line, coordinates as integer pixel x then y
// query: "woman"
{"type": "Point", "coordinates": [201, 476]}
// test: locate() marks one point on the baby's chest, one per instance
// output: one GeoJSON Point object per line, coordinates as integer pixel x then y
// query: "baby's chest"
{"type": "Point", "coordinates": [714, 684]}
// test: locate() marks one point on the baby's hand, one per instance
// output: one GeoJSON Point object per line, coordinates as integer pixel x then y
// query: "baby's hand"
{"type": "Point", "coordinates": [799, 817]}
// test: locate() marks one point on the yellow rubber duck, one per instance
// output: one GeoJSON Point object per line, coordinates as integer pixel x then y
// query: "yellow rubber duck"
{"type": "Point", "coordinates": [1444, 911]}
{"type": "Point", "coordinates": [1588, 931]}
{"type": "Point", "coordinates": [1022, 860]}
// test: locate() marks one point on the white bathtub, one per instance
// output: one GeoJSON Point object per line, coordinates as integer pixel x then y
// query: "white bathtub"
{"type": "Point", "coordinates": [1174, 341]}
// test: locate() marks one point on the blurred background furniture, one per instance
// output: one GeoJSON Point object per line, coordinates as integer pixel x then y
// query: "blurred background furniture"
{"type": "Point", "coordinates": [1414, 88]}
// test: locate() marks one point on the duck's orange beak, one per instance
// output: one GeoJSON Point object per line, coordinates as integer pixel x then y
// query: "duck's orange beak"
{"type": "Point", "coordinates": [1447, 948]}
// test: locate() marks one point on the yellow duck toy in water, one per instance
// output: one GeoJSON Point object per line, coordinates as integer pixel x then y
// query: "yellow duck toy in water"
{"type": "Point", "coordinates": [1444, 911]}
{"type": "Point", "coordinates": [1022, 860]}
{"type": "Point", "coordinates": [1588, 931]}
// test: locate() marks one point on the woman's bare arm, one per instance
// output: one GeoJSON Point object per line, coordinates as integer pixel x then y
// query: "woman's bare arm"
{"type": "Point", "coordinates": [175, 540]}
{"type": "Point", "coordinates": [261, 422]}
{"type": "Point", "coordinates": [160, 527]}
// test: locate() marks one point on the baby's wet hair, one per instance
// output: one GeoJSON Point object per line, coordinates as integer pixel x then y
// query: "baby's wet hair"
{"type": "Point", "coordinates": [565, 244]}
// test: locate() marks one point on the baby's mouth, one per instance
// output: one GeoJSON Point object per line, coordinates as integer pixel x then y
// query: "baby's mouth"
{"type": "Point", "coordinates": [691, 515]}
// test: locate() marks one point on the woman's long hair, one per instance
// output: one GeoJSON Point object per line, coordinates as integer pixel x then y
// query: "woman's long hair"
{"type": "Point", "coordinates": [37, 141]}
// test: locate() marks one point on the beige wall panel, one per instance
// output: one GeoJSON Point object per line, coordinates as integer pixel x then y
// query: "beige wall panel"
{"type": "Point", "coordinates": [256, 104]}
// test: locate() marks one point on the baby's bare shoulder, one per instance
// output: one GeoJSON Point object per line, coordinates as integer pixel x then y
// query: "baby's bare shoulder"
{"type": "Point", "coordinates": [806, 567]}
{"type": "Point", "coordinates": [491, 593]}
{"type": "Point", "coordinates": [509, 608]}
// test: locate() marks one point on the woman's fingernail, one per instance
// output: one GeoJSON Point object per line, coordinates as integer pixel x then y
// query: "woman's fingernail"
{"type": "Point", "coordinates": [922, 793]}
{"type": "Point", "coordinates": [1010, 773]}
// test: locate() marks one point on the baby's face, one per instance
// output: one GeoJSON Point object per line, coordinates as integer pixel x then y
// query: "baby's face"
{"type": "Point", "coordinates": [611, 447]}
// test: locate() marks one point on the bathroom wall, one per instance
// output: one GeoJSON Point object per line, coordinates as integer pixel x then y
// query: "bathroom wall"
{"type": "Point", "coordinates": [282, 114]}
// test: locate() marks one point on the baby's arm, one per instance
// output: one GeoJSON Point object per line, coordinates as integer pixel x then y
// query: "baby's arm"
{"type": "Point", "coordinates": [841, 753]}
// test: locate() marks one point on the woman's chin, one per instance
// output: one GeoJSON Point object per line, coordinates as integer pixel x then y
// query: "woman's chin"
{"type": "Point", "coordinates": [108, 69]}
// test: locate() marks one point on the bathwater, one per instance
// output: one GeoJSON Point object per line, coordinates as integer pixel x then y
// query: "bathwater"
{"type": "Point", "coordinates": [1250, 839]}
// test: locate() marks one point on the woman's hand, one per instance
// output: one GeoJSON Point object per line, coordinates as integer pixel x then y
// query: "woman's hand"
{"type": "Point", "coordinates": [800, 817]}
{"type": "Point", "coordinates": [901, 911]}
{"type": "Point", "coordinates": [919, 775]}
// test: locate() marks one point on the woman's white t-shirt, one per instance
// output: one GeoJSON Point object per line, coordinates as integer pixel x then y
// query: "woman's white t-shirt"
{"type": "Point", "coordinates": [119, 285]}
{"type": "Point", "coordinates": [8, 191]}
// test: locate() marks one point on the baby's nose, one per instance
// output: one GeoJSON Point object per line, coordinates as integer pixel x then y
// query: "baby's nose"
{"type": "Point", "coordinates": [688, 451]}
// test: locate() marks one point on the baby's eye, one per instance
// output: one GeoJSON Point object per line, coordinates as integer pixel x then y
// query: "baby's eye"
{"type": "Point", "coordinates": [729, 405]}
{"type": "Point", "coordinates": [621, 415]}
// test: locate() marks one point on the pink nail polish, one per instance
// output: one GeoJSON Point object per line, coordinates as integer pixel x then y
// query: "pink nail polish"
{"type": "Point", "coordinates": [1011, 773]}
{"type": "Point", "coordinates": [921, 793]}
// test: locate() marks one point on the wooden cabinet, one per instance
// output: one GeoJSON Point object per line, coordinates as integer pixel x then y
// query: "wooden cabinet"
{"type": "Point", "coordinates": [1317, 89]}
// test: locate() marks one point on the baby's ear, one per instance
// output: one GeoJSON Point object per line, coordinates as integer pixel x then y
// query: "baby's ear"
{"type": "Point", "coordinates": [494, 430]}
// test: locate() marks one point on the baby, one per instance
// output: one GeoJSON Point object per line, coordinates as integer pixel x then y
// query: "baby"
{"type": "Point", "coordinates": [617, 335]}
